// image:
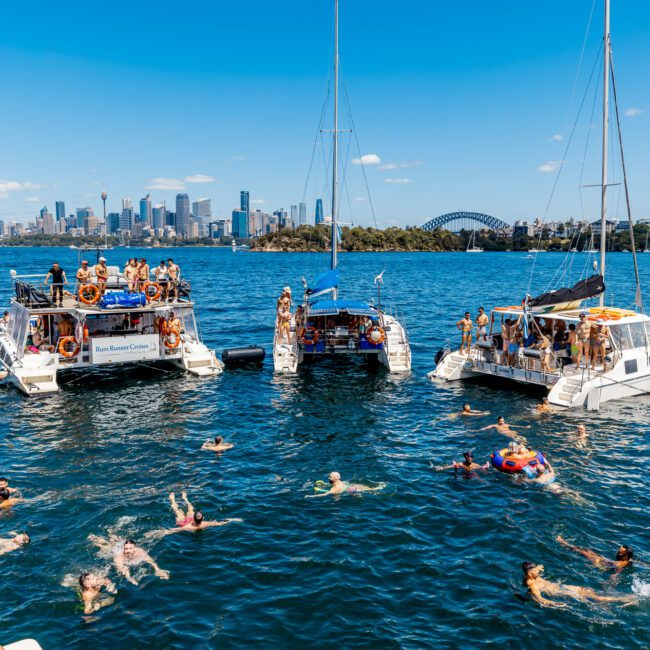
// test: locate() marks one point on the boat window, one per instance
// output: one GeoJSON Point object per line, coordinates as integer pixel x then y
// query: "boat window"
{"type": "Point", "coordinates": [638, 335]}
{"type": "Point", "coordinates": [647, 331]}
{"type": "Point", "coordinates": [620, 336]}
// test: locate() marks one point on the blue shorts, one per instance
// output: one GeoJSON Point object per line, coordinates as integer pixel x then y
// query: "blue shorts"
{"type": "Point", "coordinates": [513, 348]}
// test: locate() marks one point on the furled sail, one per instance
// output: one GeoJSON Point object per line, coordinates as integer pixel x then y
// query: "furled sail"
{"type": "Point", "coordinates": [588, 288]}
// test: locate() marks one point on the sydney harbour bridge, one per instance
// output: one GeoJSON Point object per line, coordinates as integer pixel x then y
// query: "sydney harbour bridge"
{"type": "Point", "coordinates": [457, 221]}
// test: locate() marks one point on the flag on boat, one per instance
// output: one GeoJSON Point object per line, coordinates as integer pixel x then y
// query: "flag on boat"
{"type": "Point", "coordinates": [323, 284]}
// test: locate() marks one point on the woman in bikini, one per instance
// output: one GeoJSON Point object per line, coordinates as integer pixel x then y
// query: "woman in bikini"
{"type": "Point", "coordinates": [583, 331]}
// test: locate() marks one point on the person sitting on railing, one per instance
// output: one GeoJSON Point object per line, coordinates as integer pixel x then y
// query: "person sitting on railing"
{"type": "Point", "coordinates": [39, 340]}
{"type": "Point", "coordinates": [58, 280]}
{"type": "Point", "coordinates": [83, 273]}
{"type": "Point", "coordinates": [101, 271]}
{"type": "Point", "coordinates": [131, 275]}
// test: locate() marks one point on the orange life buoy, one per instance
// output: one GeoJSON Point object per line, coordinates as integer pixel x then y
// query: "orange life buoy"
{"type": "Point", "coordinates": [63, 349]}
{"type": "Point", "coordinates": [172, 344]}
{"type": "Point", "coordinates": [313, 332]}
{"type": "Point", "coordinates": [371, 331]}
{"type": "Point", "coordinates": [93, 290]}
{"type": "Point", "coordinates": [156, 295]}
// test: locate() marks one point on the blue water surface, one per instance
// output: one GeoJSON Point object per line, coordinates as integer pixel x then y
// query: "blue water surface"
{"type": "Point", "coordinates": [432, 561]}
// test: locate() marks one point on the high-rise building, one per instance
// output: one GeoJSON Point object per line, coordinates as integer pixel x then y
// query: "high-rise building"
{"type": "Point", "coordinates": [244, 201]}
{"type": "Point", "coordinates": [202, 209]}
{"type": "Point", "coordinates": [182, 215]}
{"type": "Point", "coordinates": [91, 225]}
{"type": "Point", "coordinates": [60, 211]}
{"type": "Point", "coordinates": [45, 222]}
{"type": "Point", "coordinates": [302, 213]}
{"type": "Point", "coordinates": [83, 214]}
{"type": "Point", "coordinates": [282, 218]}
{"type": "Point", "coordinates": [240, 224]}
{"type": "Point", "coordinates": [158, 216]}
{"type": "Point", "coordinates": [294, 217]}
{"type": "Point", "coordinates": [113, 219]}
{"type": "Point", "coordinates": [170, 220]}
{"type": "Point", "coordinates": [126, 203]}
{"type": "Point", "coordinates": [319, 218]}
{"type": "Point", "coordinates": [126, 218]}
{"type": "Point", "coordinates": [145, 211]}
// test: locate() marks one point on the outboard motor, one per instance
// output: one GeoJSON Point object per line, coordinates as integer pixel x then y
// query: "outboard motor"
{"type": "Point", "coordinates": [253, 354]}
{"type": "Point", "coordinates": [184, 289]}
{"type": "Point", "coordinates": [439, 356]}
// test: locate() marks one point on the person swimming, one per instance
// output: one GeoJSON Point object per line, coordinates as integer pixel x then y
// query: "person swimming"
{"type": "Point", "coordinates": [467, 410]}
{"type": "Point", "coordinates": [544, 406]}
{"type": "Point", "coordinates": [4, 485]}
{"type": "Point", "coordinates": [6, 500]}
{"type": "Point", "coordinates": [217, 445]}
{"type": "Point", "coordinates": [468, 465]}
{"type": "Point", "coordinates": [14, 543]}
{"type": "Point", "coordinates": [504, 428]}
{"type": "Point", "coordinates": [624, 556]}
{"type": "Point", "coordinates": [90, 586]}
{"type": "Point", "coordinates": [337, 486]}
{"type": "Point", "coordinates": [538, 586]}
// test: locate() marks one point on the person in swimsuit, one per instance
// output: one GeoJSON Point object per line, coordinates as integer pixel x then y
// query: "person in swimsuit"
{"type": "Point", "coordinates": [467, 411]}
{"type": "Point", "coordinates": [538, 586]}
{"type": "Point", "coordinates": [337, 486]}
{"type": "Point", "coordinates": [174, 273]}
{"type": "Point", "coordinates": [465, 326]}
{"type": "Point", "coordinates": [83, 274]}
{"type": "Point", "coordinates": [4, 485]}
{"type": "Point", "coordinates": [583, 331]}
{"type": "Point", "coordinates": [14, 543]}
{"type": "Point", "coordinates": [284, 322]}
{"type": "Point", "coordinates": [90, 586]}
{"type": "Point", "coordinates": [544, 406]}
{"type": "Point", "coordinates": [544, 347]}
{"type": "Point", "coordinates": [126, 555]}
{"type": "Point", "coordinates": [101, 272]}
{"type": "Point", "coordinates": [504, 428]}
{"type": "Point", "coordinates": [160, 275]}
{"type": "Point", "coordinates": [482, 321]}
{"type": "Point", "coordinates": [505, 335]}
{"type": "Point", "coordinates": [6, 500]}
{"type": "Point", "coordinates": [573, 343]}
{"type": "Point", "coordinates": [468, 465]}
{"type": "Point", "coordinates": [131, 275]}
{"type": "Point", "coordinates": [600, 342]}
{"type": "Point", "coordinates": [217, 445]}
{"type": "Point", "coordinates": [542, 474]}
{"type": "Point", "coordinates": [143, 273]}
{"type": "Point", "coordinates": [624, 556]}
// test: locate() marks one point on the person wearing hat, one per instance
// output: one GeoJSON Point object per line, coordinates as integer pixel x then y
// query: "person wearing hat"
{"type": "Point", "coordinates": [101, 271]}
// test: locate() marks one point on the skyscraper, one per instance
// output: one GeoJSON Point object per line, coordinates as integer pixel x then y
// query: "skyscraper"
{"type": "Point", "coordinates": [302, 213]}
{"type": "Point", "coordinates": [319, 212]}
{"type": "Point", "coordinates": [294, 217]}
{"type": "Point", "coordinates": [240, 224]}
{"type": "Point", "coordinates": [182, 215]}
{"type": "Point", "coordinates": [126, 203]}
{"type": "Point", "coordinates": [113, 219]}
{"type": "Point", "coordinates": [46, 222]}
{"type": "Point", "coordinates": [60, 210]}
{"type": "Point", "coordinates": [83, 214]}
{"type": "Point", "coordinates": [202, 210]}
{"type": "Point", "coordinates": [158, 216]}
{"type": "Point", "coordinates": [126, 218]}
{"type": "Point", "coordinates": [244, 201]}
{"type": "Point", "coordinates": [145, 211]}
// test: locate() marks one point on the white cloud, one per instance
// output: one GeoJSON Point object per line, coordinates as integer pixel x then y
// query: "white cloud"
{"type": "Point", "coordinates": [633, 112]}
{"type": "Point", "coordinates": [15, 186]}
{"type": "Point", "coordinates": [388, 166]}
{"type": "Point", "coordinates": [367, 159]}
{"type": "Point", "coordinates": [200, 178]}
{"type": "Point", "coordinates": [406, 165]}
{"type": "Point", "coordinates": [32, 199]}
{"type": "Point", "coordinates": [556, 137]}
{"type": "Point", "coordinates": [258, 201]}
{"type": "Point", "coordinates": [166, 184]}
{"type": "Point", "coordinates": [359, 198]}
{"type": "Point", "coordinates": [550, 166]}
{"type": "Point", "coordinates": [397, 180]}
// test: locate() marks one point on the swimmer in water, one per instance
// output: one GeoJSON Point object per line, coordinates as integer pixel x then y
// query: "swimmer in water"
{"type": "Point", "coordinates": [90, 586]}
{"type": "Point", "coordinates": [4, 485]}
{"type": "Point", "coordinates": [468, 465]}
{"type": "Point", "coordinates": [217, 445]}
{"type": "Point", "coordinates": [127, 555]}
{"type": "Point", "coordinates": [339, 487]}
{"type": "Point", "coordinates": [504, 428]}
{"type": "Point", "coordinates": [14, 543]}
{"type": "Point", "coordinates": [624, 556]}
{"type": "Point", "coordinates": [544, 406]}
{"type": "Point", "coordinates": [538, 586]}
{"type": "Point", "coordinates": [6, 500]}
{"type": "Point", "coordinates": [542, 474]}
{"type": "Point", "coordinates": [467, 410]}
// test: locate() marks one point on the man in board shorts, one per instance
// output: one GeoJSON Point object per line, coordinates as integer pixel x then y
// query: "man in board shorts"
{"type": "Point", "coordinates": [482, 321]}
{"type": "Point", "coordinates": [174, 273]}
{"type": "Point", "coordinates": [101, 271]}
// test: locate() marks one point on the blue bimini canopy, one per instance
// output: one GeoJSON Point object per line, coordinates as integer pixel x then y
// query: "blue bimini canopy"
{"type": "Point", "coordinates": [324, 283]}
{"type": "Point", "coordinates": [352, 307]}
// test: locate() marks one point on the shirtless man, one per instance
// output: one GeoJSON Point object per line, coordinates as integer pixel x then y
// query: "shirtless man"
{"type": "Point", "coordinates": [174, 273]}
{"type": "Point", "coordinates": [600, 341]}
{"type": "Point", "coordinates": [573, 343]}
{"type": "Point", "coordinates": [4, 485]}
{"type": "Point", "coordinates": [542, 474]}
{"type": "Point", "coordinates": [90, 586]}
{"type": "Point", "coordinates": [127, 555]}
{"type": "Point", "coordinates": [482, 321]}
{"type": "Point", "coordinates": [143, 273]}
{"type": "Point", "coordinates": [465, 326]}
{"type": "Point", "coordinates": [10, 544]}
{"type": "Point", "coordinates": [217, 445]}
{"type": "Point", "coordinates": [64, 326]}
{"type": "Point", "coordinates": [337, 486]}
{"type": "Point", "coordinates": [624, 556]}
{"type": "Point", "coordinates": [502, 427]}
{"type": "Point", "coordinates": [505, 335]}
{"type": "Point", "coordinates": [583, 332]}
{"type": "Point", "coordinates": [544, 406]}
{"type": "Point", "coordinates": [467, 411]}
{"type": "Point", "coordinates": [83, 273]}
{"type": "Point", "coordinates": [173, 322]}
{"type": "Point", "coordinates": [101, 271]}
{"type": "Point", "coordinates": [131, 275]}
{"type": "Point", "coordinates": [160, 275]}
{"type": "Point", "coordinates": [538, 586]}
{"type": "Point", "coordinates": [6, 500]}
{"type": "Point", "coordinates": [468, 465]}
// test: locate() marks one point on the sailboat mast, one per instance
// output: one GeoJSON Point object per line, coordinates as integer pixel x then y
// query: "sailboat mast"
{"type": "Point", "coordinates": [603, 196]}
{"type": "Point", "coordinates": [335, 135]}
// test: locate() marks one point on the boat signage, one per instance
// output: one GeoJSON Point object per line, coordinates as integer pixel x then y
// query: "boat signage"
{"type": "Point", "coordinates": [119, 349]}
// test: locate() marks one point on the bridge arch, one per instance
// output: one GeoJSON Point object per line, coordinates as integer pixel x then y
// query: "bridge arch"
{"type": "Point", "coordinates": [466, 221]}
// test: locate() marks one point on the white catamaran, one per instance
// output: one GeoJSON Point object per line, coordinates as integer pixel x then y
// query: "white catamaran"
{"type": "Point", "coordinates": [96, 327]}
{"type": "Point", "coordinates": [325, 325]}
{"type": "Point", "coordinates": [530, 343]}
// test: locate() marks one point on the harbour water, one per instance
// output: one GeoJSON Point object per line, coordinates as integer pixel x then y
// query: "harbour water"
{"type": "Point", "coordinates": [432, 561]}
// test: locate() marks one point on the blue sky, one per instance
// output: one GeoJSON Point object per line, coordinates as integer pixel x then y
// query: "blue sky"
{"type": "Point", "coordinates": [464, 104]}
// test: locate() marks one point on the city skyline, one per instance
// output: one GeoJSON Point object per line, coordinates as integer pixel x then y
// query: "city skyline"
{"type": "Point", "coordinates": [472, 123]}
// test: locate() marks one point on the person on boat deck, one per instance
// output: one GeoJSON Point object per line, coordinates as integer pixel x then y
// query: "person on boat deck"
{"type": "Point", "coordinates": [339, 487]}
{"type": "Point", "coordinates": [90, 586]}
{"type": "Point", "coordinates": [284, 323]}
{"type": "Point", "coordinates": [285, 296]}
{"type": "Point", "coordinates": [143, 273]}
{"type": "Point", "coordinates": [504, 428]}
{"type": "Point", "coordinates": [544, 347]}
{"type": "Point", "coordinates": [217, 445]}
{"type": "Point", "coordinates": [467, 410]}
{"type": "Point", "coordinates": [544, 406]}
{"type": "Point", "coordinates": [538, 586]}
{"type": "Point", "coordinates": [624, 556]}
{"type": "Point", "coordinates": [4, 321]}
{"type": "Point", "coordinates": [600, 343]}
{"type": "Point", "coordinates": [9, 544]}
{"type": "Point", "coordinates": [131, 275]}
{"type": "Point", "coordinates": [482, 321]}
{"type": "Point", "coordinates": [161, 277]}
{"type": "Point", "coordinates": [101, 272]}
{"type": "Point", "coordinates": [174, 272]}
{"type": "Point", "coordinates": [191, 520]}
{"type": "Point", "coordinates": [573, 343]}
{"type": "Point", "coordinates": [83, 273]}
{"type": "Point", "coordinates": [64, 326]}
{"type": "Point", "coordinates": [40, 341]}
{"type": "Point", "coordinates": [59, 279]}
{"type": "Point", "coordinates": [468, 465]}
{"type": "Point", "coordinates": [6, 500]}
{"type": "Point", "coordinates": [505, 337]}
{"type": "Point", "coordinates": [515, 343]}
{"type": "Point", "coordinates": [173, 322]}
{"type": "Point", "coordinates": [465, 325]}
{"type": "Point", "coordinates": [583, 332]}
